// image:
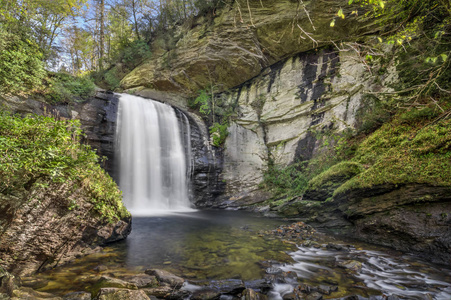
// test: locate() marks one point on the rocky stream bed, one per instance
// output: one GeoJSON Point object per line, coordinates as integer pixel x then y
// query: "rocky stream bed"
{"type": "Point", "coordinates": [303, 264]}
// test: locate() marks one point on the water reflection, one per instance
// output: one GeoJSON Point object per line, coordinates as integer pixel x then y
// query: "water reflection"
{"type": "Point", "coordinates": [204, 245]}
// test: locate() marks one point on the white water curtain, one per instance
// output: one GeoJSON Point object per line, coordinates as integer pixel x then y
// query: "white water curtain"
{"type": "Point", "coordinates": [151, 156]}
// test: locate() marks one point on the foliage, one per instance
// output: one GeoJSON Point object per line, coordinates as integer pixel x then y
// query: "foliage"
{"type": "Point", "coordinates": [337, 173]}
{"type": "Point", "coordinates": [65, 88]}
{"type": "Point", "coordinates": [414, 148]}
{"type": "Point", "coordinates": [40, 150]}
{"type": "Point", "coordinates": [39, 21]}
{"type": "Point", "coordinates": [126, 59]}
{"type": "Point", "coordinates": [217, 113]}
{"type": "Point", "coordinates": [204, 101]}
{"type": "Point", "coordinates": [218, 133]}
{"type": "Point", "coordinates": [287, 181]}
{"type": "Point", "coordinates": [21, 68]}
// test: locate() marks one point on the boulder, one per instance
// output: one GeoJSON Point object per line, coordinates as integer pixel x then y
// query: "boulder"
{"type": "Point", "coordinates": [121, 294]}
{"type": "Point", "coordinates": [166, 277]}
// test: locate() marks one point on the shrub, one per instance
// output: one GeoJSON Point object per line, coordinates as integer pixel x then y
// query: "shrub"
{"type": "Point", "coordinates": [66, 88]}
{"type": "Point", "coordinates": [285, 181]}
{"type": "Point", "coordinates": [21, 66]}
{"type": "Point", "coordinates": [39, 150]}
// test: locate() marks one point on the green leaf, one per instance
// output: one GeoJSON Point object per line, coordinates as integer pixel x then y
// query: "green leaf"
{"type": "Point", "coordinates": [444, 56]}
{"type": "Point", "coordinates": [350, 2]}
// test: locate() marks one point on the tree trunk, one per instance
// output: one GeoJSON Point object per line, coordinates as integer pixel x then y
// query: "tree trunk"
{"type": "Point", "coordinates": [102, 33]}
{"type": "Point", "coordinates": [134, 19]}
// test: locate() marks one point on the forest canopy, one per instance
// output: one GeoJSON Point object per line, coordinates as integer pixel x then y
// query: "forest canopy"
{"type": "Point", "coordinates": [105, 39]}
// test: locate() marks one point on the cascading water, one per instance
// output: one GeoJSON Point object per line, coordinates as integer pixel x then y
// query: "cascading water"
{"type": "Point", "coordinates": [151, 157]}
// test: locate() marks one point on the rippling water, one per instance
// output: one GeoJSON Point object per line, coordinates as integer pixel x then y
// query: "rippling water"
{"type": "Point", "coordinates": [403, 276]}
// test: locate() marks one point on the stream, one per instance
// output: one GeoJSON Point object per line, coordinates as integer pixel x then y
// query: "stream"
{"type": "Point", "coordinates": [216, 245]}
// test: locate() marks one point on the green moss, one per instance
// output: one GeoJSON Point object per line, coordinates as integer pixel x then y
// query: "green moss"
{"type": "Point", "coordinates": [410, 149]}
{"type": "Point", "coordinates": [40, 151]}
{"type": "Point", "coordinates": [336, 174]}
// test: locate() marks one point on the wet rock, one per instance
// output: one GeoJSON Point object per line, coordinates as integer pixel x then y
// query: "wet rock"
{"type": "Point", "coordinates": [250, 294]}
{"type": "Point", "coordinates": [295, 232]}
{"type": "Point", "coordinates": [77, 296]}
{"type": "Point", "coordinates": [227, 286]}
{"type": "Point", "coordinates": [282, 277]}
{"type": "Point", "coordinates": [142, 280]}
{"type": "Point", "coordinates": [314, 296]}
{"type": "Point", "coordinates": [100, 268]}
{"type": "Point", "coordinates": [110, 282]}
{"type": "Point", "coordinates": [352, 265]}
{"type": "Point", "coordinates": [34, 283]}
{"type": "Point", "coordinates": [326, 290]}
{"type": "Point", "coordinates": [353, 297]}
{"type": "Point", "coordinates": [121, 294]}
{"type": "Point", "coordinates": [306, 289]}
{"type": "Point", "coordinates": [259, 285]}
{"type": "Point", "coordinates": [337, 247]}
{"type": "Point", "coordinates": [30, 294]}
{"type": "Point", "coordinates": [167, 277]}
{"type": "Point", "coordinates": [206, 293]}
{"type": "Point", "coordinates": [159, 292]}
{"type": "Point", "coordinates": [290, 296]}
{"type": "Point", "coordinates": [8, 282]}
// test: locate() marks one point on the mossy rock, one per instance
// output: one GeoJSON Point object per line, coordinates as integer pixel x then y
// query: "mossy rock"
{"type": "Point", "coordinates": [322, 187]}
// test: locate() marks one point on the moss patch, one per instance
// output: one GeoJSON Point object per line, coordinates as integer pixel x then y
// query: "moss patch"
{"type": "Point", "coordinates": [413, 148]}
{"type": "Point", "coordinates": [322, 186]}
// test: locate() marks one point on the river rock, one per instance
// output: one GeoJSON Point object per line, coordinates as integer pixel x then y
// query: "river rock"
{"type": "Point", "coordinates": [206, 293]}
{"type": "Point", "coordinates": [34, 283]}
{"type": "Point", "coordinates": [110, 282]}
{"type": "Point", "coordinates": [167, 277]}
{"type": "Point", "coordinates": [159, 292]}
{"type": "Point", "coordinates": [142, 280]}
{"type": "Point", "coordinates": [352, 265]}
{"type": "Point", "coordinates": [121, 294]}
{"type": "Point", "coordinates": [314, 296]}
{"type": "Point", "coordinates": [250, 294]}
{"type": "Point", "coordinates": [25, 293]}
{"type": "Point", "coordinates": [258, 285]}
{"type": "Point", "coordinates": [77, 296]}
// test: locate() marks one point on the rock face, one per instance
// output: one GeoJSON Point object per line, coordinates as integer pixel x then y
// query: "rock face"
{"type": "Point", "coordinates": [38, 230]}
{"type": "Point", "coordinates": [289, 111]}
{"type": "Point", "coordinates": [412, 218]}
{"type": "Point", "coordinates": [206, 163]}
{"type": "Point", "coordinates": [97, 117]}
{"type": "Point", "coordinates": [243, 37]}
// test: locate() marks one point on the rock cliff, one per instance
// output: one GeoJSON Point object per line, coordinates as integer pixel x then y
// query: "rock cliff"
{"type": "Point", "coordinates": [38, 231]}
{"type": "Point", "coordinates": [287, 113]}
{"type": "Point", "coordinates": [296, 85]}
{"type": "Point", "coordinates": [242, 38]}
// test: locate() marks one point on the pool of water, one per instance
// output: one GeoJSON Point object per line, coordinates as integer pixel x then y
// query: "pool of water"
{"type": "Point", "coordinates": [210, 245]}
{"type": "Point", "coordinates": [204, 244]}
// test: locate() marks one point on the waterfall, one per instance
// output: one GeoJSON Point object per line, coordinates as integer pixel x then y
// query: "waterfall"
{"type": "Point", "coordinates": [151, 156]}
